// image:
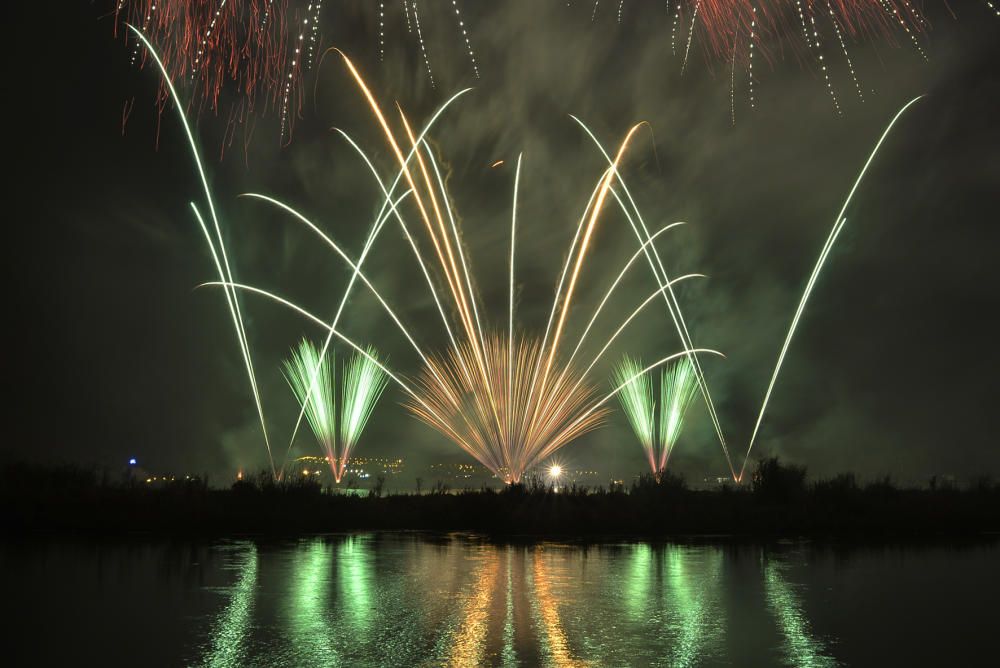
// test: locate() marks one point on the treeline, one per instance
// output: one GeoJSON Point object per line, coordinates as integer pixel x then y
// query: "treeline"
{"type": "Point", "coordinates": [780, 500]}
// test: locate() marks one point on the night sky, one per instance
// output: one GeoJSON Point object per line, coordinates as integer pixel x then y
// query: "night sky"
{"type": "Point", "coordinates": [110, 352]}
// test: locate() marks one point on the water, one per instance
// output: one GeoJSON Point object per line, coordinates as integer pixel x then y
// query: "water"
{"type": "Point", "coordinates": [415, 600]}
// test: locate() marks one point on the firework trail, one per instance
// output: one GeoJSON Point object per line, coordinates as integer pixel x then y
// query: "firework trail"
{"type": "Point", "coordinates": [824, 253]}
{"type": "Point", "coordinates": [223, 268]}
{"type": "Point", "coordinates": [381, 218]}
{"type": "Point", "coordinates": [658, 269]}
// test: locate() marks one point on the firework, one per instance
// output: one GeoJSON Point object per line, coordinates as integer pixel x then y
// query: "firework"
{"type": "Point", "coordinates": [245, 58]}
{"type": "Point", "coordinates": [838, 225]}
{"type": "Point", "coordinates": [312, 382]}
{"type": "Point", "coordinates": [473, 393]}
{"type": "Point", "coordinates": [364, 383]}
{"type": "Point", "coordinates": [657, 431]}
{"type": "Point", "coordinates": [722, 22]}
{"type": "Point", "coordinates": [509, 401]}
{"type": "Point", "coordinates": [311, 377]}
{"type": "Point", "coordinates": [515, 425]}
{"type": "Point", "coordinates": [678, 384]}
{"type": "Point", "coordinates": [637, 403]}
{"type": "Point", "coordinates": [740, 31]}
{"type": "Point", "coordinates": [507, 432]}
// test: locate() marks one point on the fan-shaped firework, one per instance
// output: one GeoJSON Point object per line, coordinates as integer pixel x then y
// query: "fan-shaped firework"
{"type": "Point", "coordinates": [312, 383]}
{"type": "Point", "coordinates": [678, 385]}
{"type": "Point", "coordinates": [637, 403]}
{"type": "Point", "coordinates": [364, 383]}
{"type": "Point", "coordinates": [311, 377]}
{"type": "Point", "coordinates": [497, 419]}
{"type": "Point", "coordinates": [657, 428]}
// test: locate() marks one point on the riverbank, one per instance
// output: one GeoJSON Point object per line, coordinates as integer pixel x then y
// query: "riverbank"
{"type": "Point", "coordinates": [777, 505]}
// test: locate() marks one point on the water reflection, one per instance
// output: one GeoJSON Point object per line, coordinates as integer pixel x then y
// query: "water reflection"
{"type": "Point", "coordinates": [354, 566]}
{"type": "Point", "coordinates": [555, 646]}
{"type": "Point", "coordinates": [799, 646]}
{"type": "Point", "coordinates": [374, 600]}
{"type": "Point", "coordinates": [310, 618]}
{"type": "Point", "coordinates": [417, 600]}
{"type": "Point", "coordinates": [229, 637]}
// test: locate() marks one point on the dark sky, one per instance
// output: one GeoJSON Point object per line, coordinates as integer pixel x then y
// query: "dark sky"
{"type": "Point", "coordinates": [109, 351]}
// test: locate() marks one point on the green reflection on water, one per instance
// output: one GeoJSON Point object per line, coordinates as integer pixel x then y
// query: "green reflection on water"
{"type": "Point", "coordinates": [689, 601]}
{"type": "Point", "coordinates": [230, 630]}
{"type": "Point", "coordinates": [673, 593]}
{"type": "Point", "coordinates": [354, 568]}
{"type": "Point", "coordinates": [799, 647]}
{"type": "Point", "coordinates": [310, 622]}
{"type": "Point", "coordinates": [639, 583]}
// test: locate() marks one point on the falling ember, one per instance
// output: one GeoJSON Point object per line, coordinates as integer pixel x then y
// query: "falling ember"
{"type": "Point", "coordinates": [496, 164]}
{"type": "Point", "coordinates": [720, 29]}
{"type": "Point", "coordinates": [254, 53]}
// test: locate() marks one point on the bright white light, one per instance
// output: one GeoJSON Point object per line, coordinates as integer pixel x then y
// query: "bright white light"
{"type": "Point", "coordinates": [555, 471]}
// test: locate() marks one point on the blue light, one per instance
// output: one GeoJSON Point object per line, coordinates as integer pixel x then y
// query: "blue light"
{"type": "Point", "coordinates": [132, 462]}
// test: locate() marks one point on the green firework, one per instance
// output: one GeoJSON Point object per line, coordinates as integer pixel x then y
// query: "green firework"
{"type": "Point", "coordinates": [311, 377]}
{"type": "Point", "coordinates": [311, 380]}
{"type": "Point", "coordinates": [678, 385]}
{"type": "Point", "coordinates": [636, 398]}
{"type": "Point", "coordinates": [364, 382]}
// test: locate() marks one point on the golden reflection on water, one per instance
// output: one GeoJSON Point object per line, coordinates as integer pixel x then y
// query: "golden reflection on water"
{"type": "Point", "coordinates": [548, 609]}
{"type": "Point", "coordinates": [469, 643]}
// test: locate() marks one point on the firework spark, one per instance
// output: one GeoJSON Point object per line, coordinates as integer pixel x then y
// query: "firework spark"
{"type": "Point", "coordinates": [722, 27]}
{"type": "Point", "coordinates": [678, 385]}
{"type": "Point", "coordinates": [312, 383]}
{"type": "Point", "coordinates": [251, 55]}
{"type": "Point", "coordinates": [637, 403]}
{"type": "Point", "coordinates": [364, 383]}
{"type": "Point", "coordinates": [311, 377]}
{"type": "Point", "coordinates": [657, 430]}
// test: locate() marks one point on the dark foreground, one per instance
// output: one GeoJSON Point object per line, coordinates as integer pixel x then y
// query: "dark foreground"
{"type": "Point", "coordinates": [778, 503]}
